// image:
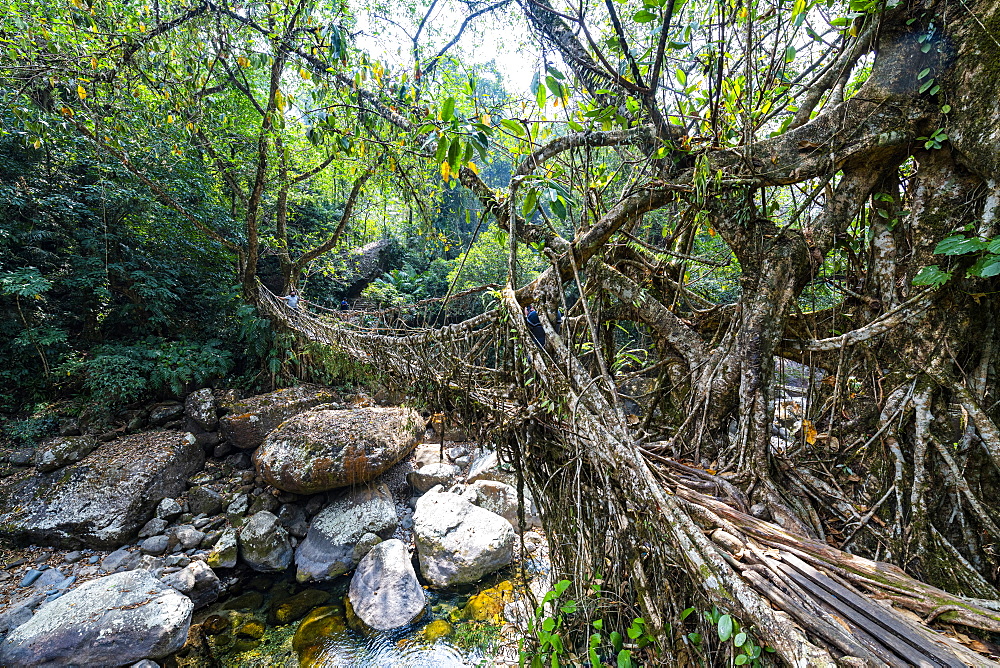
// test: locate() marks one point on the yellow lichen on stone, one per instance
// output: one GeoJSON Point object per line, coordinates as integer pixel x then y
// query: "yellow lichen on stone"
{"type": "Point", "coordinates": [439, 628]}
{"type": "Point", "coordinates": [487, 605]}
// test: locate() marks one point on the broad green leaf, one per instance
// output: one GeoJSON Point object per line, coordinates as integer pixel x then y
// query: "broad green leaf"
{"type": "Point", "coordinates": [513, 126]}
{"type": "Point", "coordinates": [644, 16]}
{"type": "Point", "coordinates": [448, 109]}
{"type": "Point", "coordinates": [725, 628]}
{"type": "Point", "coordinates": [987, 266]}
{"type": "Point", "coordinates": [932, 275]}
{"type": "Point", "coordinates": [958, 245]}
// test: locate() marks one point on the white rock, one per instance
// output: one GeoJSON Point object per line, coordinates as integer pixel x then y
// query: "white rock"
{"type": "Point", "coordinates": [428, 476]}
{"type": "Point", "coordinates": [385, 593]}
{"type": "Point", "coordinates": [501, 499]}
{"type": "Point", "coordinates": [458, 542]}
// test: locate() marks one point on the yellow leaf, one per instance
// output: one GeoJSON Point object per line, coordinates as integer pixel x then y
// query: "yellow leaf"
{"type": "Point", "coordinates": [474, 168]}
{"type": "Point", "coordinates": [37, 143]}
{"type": "Point", "coordinates": [279, 100]}
{"type": "Point", "coordinates": [66, 111]}
{"type": "Point", "coordinates": [77, 4]}
{"type": "Point", "coordinates": [242, 61]}
{"type": "Point", "coordinates": [190, 126]}
{"type": "Point", "coordinates": [170, 118]}
{"type": "Point", "coordinates": [93, 62]}
{"type": "Point", "coordinates": [809, 431]}
{"type": "Point", "coordinates": [486, 119]}
{"type": "Point", "coordinates": [81, 92]}
{"type": "Point", "coordinates": [304, 73]}
{"type": "Point", "coordinates": [445, 170]}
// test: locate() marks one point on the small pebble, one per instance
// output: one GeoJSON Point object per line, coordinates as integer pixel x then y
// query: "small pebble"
{"type": "Point", "coordinates": [73, 557]}
{"type": "Point", "coordinates": [94, 559]}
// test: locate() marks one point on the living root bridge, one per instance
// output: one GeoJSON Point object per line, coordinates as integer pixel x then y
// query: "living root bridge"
{"type": "Point", "coordinates": [815, 605]}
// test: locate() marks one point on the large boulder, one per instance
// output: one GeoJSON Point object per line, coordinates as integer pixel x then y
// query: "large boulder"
{"type": "Point", "coordinates": [325, 449]}
{"type": "Point", "coordinates": [58, 452]}
{"type": "Point", "coordinates": [458, 542]}
{"type": "Point", "coordinates": [248, 421]}
{"type": "Point", "coordinates": [111, 621]}
{"type": "Point", "coordinates": [264, 543]}
{"type": "Point", "coordinates": [385, 593]}
{"type": "Point", "coordinates": [103, 500]}
{"type": "Point", "coordinates": [336, 541]}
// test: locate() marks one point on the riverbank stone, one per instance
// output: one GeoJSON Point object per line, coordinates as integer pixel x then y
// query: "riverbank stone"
{"type": "Point", "coordinates": [321, 450]}
{"type": "Point", "coordinates": [111, 621]}
{"type": "Point", "coordinates": [458, 542]}
{"type": "Point", "coordinates": [58, 452]}
{"type": "Point", "coordinates": [264, 543]}
{"type": "Point", "coordinates": [102, 500]}
{"type": "Point", "coordinates": [342, 533]}
{"type": "Point", "coordinates": [385, 593]}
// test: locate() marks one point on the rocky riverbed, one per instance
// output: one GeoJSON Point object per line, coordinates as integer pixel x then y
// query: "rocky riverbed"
{"type": "Point", "coordinates": [284, 526]}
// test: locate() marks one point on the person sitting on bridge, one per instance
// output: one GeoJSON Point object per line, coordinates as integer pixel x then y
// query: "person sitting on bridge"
{"type": "Point", "coordinates": [344, 306]}
{"type": "Point", "coordinates": [292, 299]}
{"type": "Point", "coordinates": [534, 325]}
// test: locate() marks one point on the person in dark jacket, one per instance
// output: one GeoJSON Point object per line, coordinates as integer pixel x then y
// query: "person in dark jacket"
{"type": "Point", "coordinates": [535, 325]}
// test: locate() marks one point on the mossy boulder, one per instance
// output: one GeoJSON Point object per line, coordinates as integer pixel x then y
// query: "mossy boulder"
{"type": "Point", "coordinates": [323, 449]}
{"type": "Point", "coordinates": [248, 421]}
{"type": "Point", "coordinates": [104, 499]}
{"type": "Point", "coordinates": [264, 543]}
{"type": "Point", "coordinates": [287, 609]}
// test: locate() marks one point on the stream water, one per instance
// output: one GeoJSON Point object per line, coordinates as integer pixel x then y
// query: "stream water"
{"type": "Point", "coordinates": [269, 622]}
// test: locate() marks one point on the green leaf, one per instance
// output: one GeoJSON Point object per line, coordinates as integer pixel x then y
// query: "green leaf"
{"type": "Point", "coordinates": [740, 639]}
{"type": "Point", "coordinates": [695, 638]}
{"type": "Point", "coordinates": [559, 208]}
{"type": "Point", "coordinates": [616, 640]}
{"type": "Point", "coordinates": [644, 16]}
{"type": "Point", "coordinates": [513, 126]}
{"type": "Point", "coordinates": [987, 266]}
{"type": "Point", "coordinates": [624, 659]}
{"type": "Point", "coordinates": [945, 108]}
{"type": "Point", "coordinates": [442, 150]}
{"type": "Point", "coordinates": [927, 84]}
{"type": "Point", "coordinates": [924, 72]}
{"type": "Point", "coordinates": [685, 613]}
{"type": "Point", "coordinates": [959, 245]}
{"type": "Point", "coordinates": [994, 245]}
{"type": "Point", "coordinates": [561, 586]}
{"type": "Point", "coordinates": [548, 624]}
{"type": "Point", "coordinates": [932, 275]}
{"type": "Point", "coordinates": [448, 109]}
{"type": "Point", "coordinates": [725, 628]}
{"type": "Point", "coordinates": [528, 207]}
{"type": "Point", "coordinates": [454, 151]}
{"type": "Point", "coordinates": [540, 96]}
{"type": "Point", "coordinates": [598, 624]}
{"type": "Point", "coordinates": [789, 54]}
{"type": "Point", "coordinates": [741, 659]}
